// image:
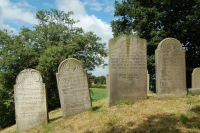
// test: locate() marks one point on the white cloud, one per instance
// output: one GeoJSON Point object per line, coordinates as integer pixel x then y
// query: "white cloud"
{"type": "Point", "coordinates": [96, 6]}
{"type": "Point", "coordinates": [109, 9]}
{"type": "Point", "coordinates": [88, 23]}
{"type": "Point", "coordinates": [3, 26]}
{"type": "Point", "coordinates": [17, 12]}
{"type": "Point", "coordinates": [71, 5]}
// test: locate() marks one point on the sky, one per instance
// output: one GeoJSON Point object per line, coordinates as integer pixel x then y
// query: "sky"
{"type": "Point", "coordinates": [94, 15]}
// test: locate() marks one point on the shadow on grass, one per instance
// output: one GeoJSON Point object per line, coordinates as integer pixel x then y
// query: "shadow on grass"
{"type": "Point", "coordinates": [51, 120]}
{"type": "Point", "coordinates": [96, 108]}
{"type": "Point", "coordinates": [161, 123]}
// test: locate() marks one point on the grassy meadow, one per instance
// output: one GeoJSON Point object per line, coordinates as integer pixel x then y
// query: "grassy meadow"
{"type": "Point", "coordinates": [180, 115]}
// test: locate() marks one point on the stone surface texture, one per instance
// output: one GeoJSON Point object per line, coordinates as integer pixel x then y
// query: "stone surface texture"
{"type": "Point", "coordinates": [127, 69]}
{"type": "Point", "coordinates": [107, 85]}
{"type": "Point", "coordinates": [170, 69]}
{"type": "Point", "coordinates": [148, 81]}
{"type": "Point", "coordinates": [73, 87]}
{"type": "Point", "coordinates": [195, 90]}
{"type": "Point", "coordinates": [30, 100]}
{"type": "Point", "coordinates": [196, 78]}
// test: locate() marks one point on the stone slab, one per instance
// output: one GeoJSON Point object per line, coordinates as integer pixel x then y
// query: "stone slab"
{"type": "Point", "coordinates": [170, 69]}
{"type": "Point", "coordinates": [107, 86]}
{"type": "Point", "coordinates": [194, 91]}
{"type": "Point", "coordinates": [148, 81]}
{"type": "Point", "coordinates": [127, 69]}
{"type": "Point", "coordinates": [196, 78]}
{"type": "Point", "coordinates": [30, 100]}
{"type": "Point", "coordinates": [73, 87]}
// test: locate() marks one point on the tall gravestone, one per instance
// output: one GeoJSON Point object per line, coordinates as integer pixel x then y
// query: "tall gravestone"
{"type": "Point", "coordinates": [73, 87]}
{"type": "Point", "coordinates": [127, 68]}
{"type": "Point", "coordinates": [107, 85]}
{"type": "Point", "coordinates": [148, 79]}
{"type": "Point", "coordinates": [170, 69]}
{"type": "Point", "coordinates": [195, 90]}
{"type": "Point", "coordinates": [30, 100]}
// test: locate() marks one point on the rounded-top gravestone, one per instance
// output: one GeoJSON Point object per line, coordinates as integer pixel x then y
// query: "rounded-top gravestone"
{"type": "Point", "coordinates": [73, 87]}
{"type": "Point", "coordinates": [30, 100]}
{"type": "Point", "coordinates": [196, 78]}
{"type": "Point", "coordinates": [170, 69]}
{"type": "Point", "coordinates": [195, 90]}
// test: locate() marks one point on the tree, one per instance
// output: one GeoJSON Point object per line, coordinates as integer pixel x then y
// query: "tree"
{"type": "Point", "coordinates": [156, 20]}
{"type": "Point", "coordinates": [43, 48]}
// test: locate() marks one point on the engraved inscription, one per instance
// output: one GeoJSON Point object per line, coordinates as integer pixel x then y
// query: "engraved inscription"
{"type": "Point", "coordinates": [133, 61]}
{"type": "Point", "coordinates": [73, 88]}
{"type": "Point", "coordinates": [30, 100]}
{"type": "Point", "coordinates": [127, 69]}
{"type": "Point", "coordinates": [170, 70]}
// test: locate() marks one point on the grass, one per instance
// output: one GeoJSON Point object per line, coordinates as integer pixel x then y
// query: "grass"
{"type": "Point", "coordinates": [180, 115]}
{"type": "Point", "coordinates": [98, 94]}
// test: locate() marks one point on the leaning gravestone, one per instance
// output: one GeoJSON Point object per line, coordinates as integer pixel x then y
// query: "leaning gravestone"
{"type": "Point", "coordinates": [127, 68]}
{"type": "Point", "coordinates": [73, 87]}
{"type": "Point", "coordinates": [170, 69]}
{"type": "Point", "coordinates": [195, 90]}
{"type": "Point", "coordinates": [30, 100]}
{"type": "Point", "coordinates": [107, 85]}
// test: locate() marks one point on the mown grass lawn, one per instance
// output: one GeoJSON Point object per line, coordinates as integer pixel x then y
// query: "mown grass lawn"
{"type": "Point", "coordinates": [97, 94]}
{"type": "Point", "coordinates": [178, 115]}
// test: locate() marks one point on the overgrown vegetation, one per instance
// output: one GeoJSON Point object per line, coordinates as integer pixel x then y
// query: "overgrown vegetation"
{"type": "Point", "coordinates": [43, 48]}
{"type": "Point", "coordinates": [146, 116]}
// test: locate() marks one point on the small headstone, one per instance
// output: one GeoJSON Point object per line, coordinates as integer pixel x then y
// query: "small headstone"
{"type": "Point", "coordinates": [195, 90]}
{"type": "Point", "coordinates": [30, 100]}
{"type": "Point", "coordinates": [73, 87]}
{"type": "Point", "coordinates": [127, 69]}
{"type": "Point", "coordinates": [148, 78]}
{"type": "Point", "coordinates": [107, 85]}
{"type": "Point", "coordinates": [170, 69]}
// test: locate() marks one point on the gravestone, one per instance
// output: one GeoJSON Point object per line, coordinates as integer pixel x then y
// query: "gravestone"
{"type": "Point", "coordinates": [107, 86]}
{"type": "Point", "coordinates": [170, 69]}
{"type": "Point", "coordinates": [148, 78]}
{"type": "Point", "coordinates": [30, 100]}
{"type": "Point", "coordinates": [127, 69]}
{"type": "Point", "coordinates": [195, 90]}
{"type": "Point", "coordinates": [73, 87]}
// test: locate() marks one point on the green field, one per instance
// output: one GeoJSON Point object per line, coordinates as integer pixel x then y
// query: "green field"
{"type": "Point", "coordinates": [97, 94]}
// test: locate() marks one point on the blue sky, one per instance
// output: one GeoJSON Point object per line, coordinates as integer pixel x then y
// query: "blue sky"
{"type": "Point", "coordinates": [94, 15]}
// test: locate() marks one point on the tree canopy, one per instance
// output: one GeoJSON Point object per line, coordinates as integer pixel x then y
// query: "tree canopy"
{"type": "Point", "coordinates": [44, 47]}
{"type": "Point", "coordinates": [155, 20]}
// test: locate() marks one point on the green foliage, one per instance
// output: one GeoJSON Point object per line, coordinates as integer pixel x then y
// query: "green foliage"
{"type": "Point", "coordinates": [98, 94]}
{"type": "Point", "coordinates": [98, 86]}
{"type": "Point", "coordinates": [97, 80]}
{"type": "Point", "coordinates": [43, 48]}
{"type": "Point", "coordinates": [156, 20]}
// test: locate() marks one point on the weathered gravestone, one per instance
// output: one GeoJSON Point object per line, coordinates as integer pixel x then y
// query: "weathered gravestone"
{"type": "Point", "coordinates": [170, 69]}
{"type": "Point", "coordinates": [107, 85]}
{"type": "Point", "coordinates": [148, 78]}
{"type": "Point", "coordinates": [195, 90]}
{"type": "Point", "coordinates": [127, 69]}
{"type": "Point", "coordinates": [30, 100]}
{"type": "Point", "coordinates": [73, 87]}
